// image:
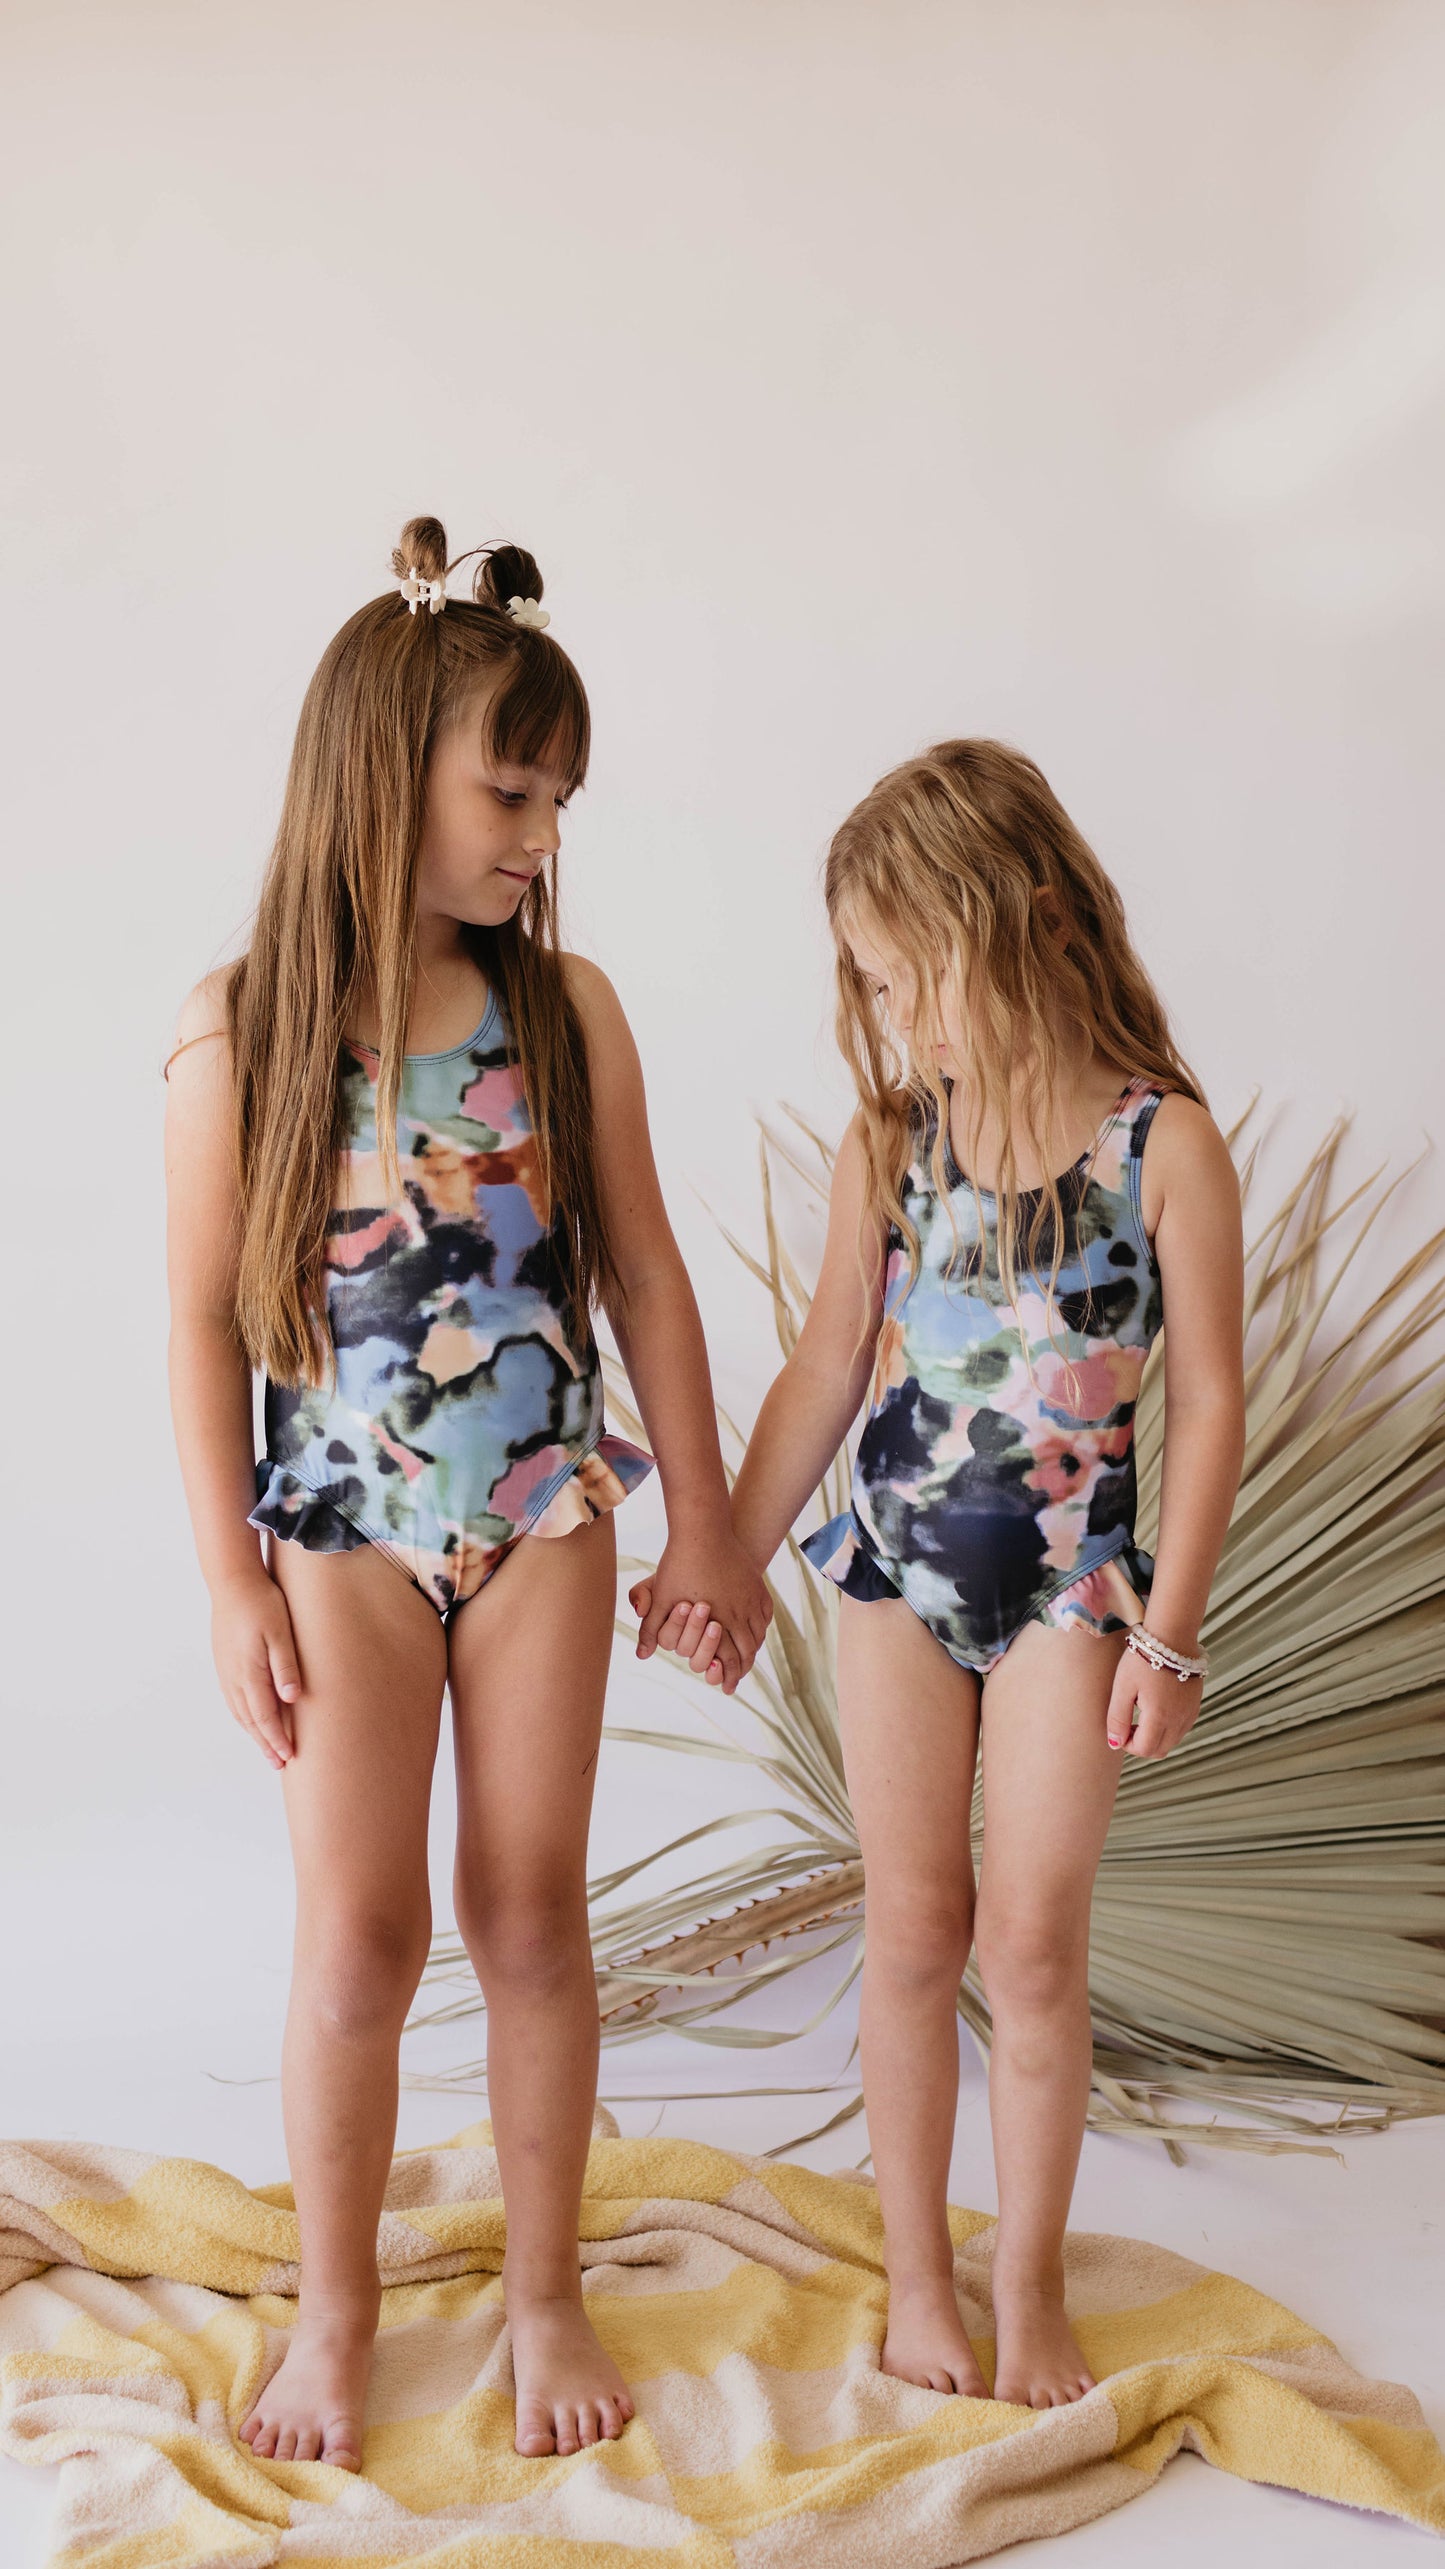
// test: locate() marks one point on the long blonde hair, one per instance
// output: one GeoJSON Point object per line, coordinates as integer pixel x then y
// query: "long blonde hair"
{"type": "Point", "coordinates": [973, 873]}
{"type": "Point", "coordinates": [337, 917]}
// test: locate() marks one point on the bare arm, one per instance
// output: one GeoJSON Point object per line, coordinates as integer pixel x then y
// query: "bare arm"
{"type": "Point", "coordinates": [815, 1399]}
{"type": "Point", "coordinates": [659, 1334]}
{"type": "Point", "coordinates": [1192, 1210]}
{"type": "Point", "coordinates": [211, 1382]}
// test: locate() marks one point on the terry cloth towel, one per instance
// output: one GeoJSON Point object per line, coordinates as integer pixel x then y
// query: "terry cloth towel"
{"type": "Point", "coordinates": [148, 2299]}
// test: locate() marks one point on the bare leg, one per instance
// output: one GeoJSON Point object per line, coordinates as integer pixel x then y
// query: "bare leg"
{"type": "Point", "coordinates": [909, 1718]}
{"type": "Point", "coordinates": [373, 1665]}
{"type": "Point", "coordinates": [529, 1660]}
{"type": "Point", "coordinates": [1049, 1780]}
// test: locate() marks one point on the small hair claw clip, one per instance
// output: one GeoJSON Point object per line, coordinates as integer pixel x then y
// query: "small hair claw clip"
{"type": "Point", "coordinates": [530, 612]}
{"type": "Point", "coordinates": [432, 594]}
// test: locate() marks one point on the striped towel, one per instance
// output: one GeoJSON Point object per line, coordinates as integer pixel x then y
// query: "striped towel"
{"type": "Point", "coordinates": [143, 2301]}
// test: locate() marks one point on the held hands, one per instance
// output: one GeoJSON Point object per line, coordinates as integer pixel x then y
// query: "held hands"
{"type": "Point", "coordinates": [707, 1602]}
{"type": "Point", "coordinates": [255, 1655]}
{"type": "Point", "coordinates": [1149, 1709]}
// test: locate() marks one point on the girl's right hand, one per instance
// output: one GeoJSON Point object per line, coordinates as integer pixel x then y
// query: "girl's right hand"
{"type": "Point", "coordinates": [255, 1655]}
{"type": "Point", "coordinates": [689, 1631]}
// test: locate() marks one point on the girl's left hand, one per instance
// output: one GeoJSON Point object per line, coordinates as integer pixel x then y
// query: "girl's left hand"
{"type": "Point", "coordinates": [708, 1603]}
{"type": "Point", "coordinates": [1158, 1707]}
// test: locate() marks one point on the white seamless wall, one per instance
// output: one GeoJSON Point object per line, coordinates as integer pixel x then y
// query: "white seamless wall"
{"type": "Point", "coordinates": [858, 376]}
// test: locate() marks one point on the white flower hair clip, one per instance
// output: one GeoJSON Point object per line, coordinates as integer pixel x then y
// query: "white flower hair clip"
{"type": "Point", "coordinates": [419, 592]}
{"type": "Point", "coordinates": [530, 612]}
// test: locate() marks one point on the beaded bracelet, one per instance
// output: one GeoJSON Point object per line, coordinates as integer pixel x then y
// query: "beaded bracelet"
{"type": "Point", "coordinates": [1159, 1654]}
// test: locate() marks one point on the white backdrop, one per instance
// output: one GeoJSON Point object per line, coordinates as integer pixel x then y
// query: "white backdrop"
{"type": "Point", "coordinates": [858, 376]}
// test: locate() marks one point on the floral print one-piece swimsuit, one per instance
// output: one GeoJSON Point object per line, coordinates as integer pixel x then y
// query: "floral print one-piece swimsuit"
{"type": "Point", "coordinates": [994, 1484]}
{"type": "Point", "coordinates": [466, 1409]}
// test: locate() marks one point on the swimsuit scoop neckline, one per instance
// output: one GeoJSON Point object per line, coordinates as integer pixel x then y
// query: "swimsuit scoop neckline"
{"type": "Point", "coordinates": [448, 1052]}
{"type": "Point", "coordinates": [959, 1177]}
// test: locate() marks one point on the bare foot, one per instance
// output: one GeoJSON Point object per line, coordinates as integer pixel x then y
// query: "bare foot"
{"type": "Point", "coordinates": [569, 2393]}
{"type": "Point", "coordinates": [926, 2341]}
{"type": "Point", "coordinates": [1039, 2362]}
{"type": "Point", "coordinates": [311, 2408]}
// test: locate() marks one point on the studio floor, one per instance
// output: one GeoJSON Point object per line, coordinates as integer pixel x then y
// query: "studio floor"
{"type": "Point", "coordinates": [1356, 2247]}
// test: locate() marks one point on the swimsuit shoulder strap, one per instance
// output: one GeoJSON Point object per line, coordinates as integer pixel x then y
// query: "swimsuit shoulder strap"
{"type": "Point", "coordinates": [1124, 1137]}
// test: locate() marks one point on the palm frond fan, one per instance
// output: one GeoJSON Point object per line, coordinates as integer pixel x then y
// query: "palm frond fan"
{"type": "Point", "coordinates": [1269, 1917]}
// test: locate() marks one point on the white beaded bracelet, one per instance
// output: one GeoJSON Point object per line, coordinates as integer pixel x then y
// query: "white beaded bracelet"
{"type": "Point", "coordinates": [1159, 1654]}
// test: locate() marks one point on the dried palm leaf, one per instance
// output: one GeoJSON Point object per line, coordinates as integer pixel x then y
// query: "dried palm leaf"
{"type": "Point", "coordinates": [1270, 1909]}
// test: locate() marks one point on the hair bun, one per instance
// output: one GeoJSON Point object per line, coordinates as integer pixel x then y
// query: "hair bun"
{"type": "Point", "coordinates": [423, 548]}
{"type": "Point", "coordinates": [505, 572]}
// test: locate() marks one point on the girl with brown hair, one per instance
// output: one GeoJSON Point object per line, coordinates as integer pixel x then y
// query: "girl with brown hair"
{"type": "Point", "coordinates": [1031, 1185]}
{"type": "Point", "coordinates": [407, 1154]}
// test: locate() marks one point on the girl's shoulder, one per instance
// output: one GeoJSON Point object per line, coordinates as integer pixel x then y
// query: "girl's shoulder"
{"type": "Point", "coordinates": [611, 1049]}
{"type": "Point", "coordinates": [1179, 1124]}
{"type": "Point", "coordinates": [1184, 1149]}
{"type": "Point", "coordinates": [203, 1010]}
{"type": "Point", "coordinates": [587, 984]}
{"type": "Point", "coordinates": [869, 1160]}
{"type": "Point", "coordinates": [904, 1106]}
{"type": "Point", "coordinates": [202, 1015]}
{"type": "Point", "coordinates": [604, 1020]}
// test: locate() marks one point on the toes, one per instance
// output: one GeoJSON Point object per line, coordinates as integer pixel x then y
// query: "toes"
{"type": "Point", "coordinates": [1042, 2393]}
{"type": "Point", "coordinates": [936, 2382]}
{"type": "Point", "coordinates": [342, 2438]}
{"type": "Point", "coordinates": [249, 2428]}
{"type": "Point", "coordinates": [286, 2445]}
{"type": "Point", "coordinates": [589, 2425]}
{"type": "Point", "coordinates": [565, 2430]}
{"type": "Point", "coordinates": [610, 2419]}
{"type": "Point", "coordinates": [1057, 2394]}
{"type": "Point", "coordinates": [534, 2430]}
{"type": "Point", "coordinates": [263, 2442]}
{"type": "Point", "coordinates": [308, 2444]}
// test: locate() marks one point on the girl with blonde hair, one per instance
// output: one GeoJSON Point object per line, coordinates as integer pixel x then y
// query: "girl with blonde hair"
{"type": "Point", "coordinates": [407, 1155]}
{"type": "Point", "coordinates": [1030, 1187]}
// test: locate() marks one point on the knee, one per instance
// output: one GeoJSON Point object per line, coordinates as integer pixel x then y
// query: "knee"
{"type": "Point", "coordinates": [920, 1942]}
{"type": "Point", "coordinates": [524, 1938]}
{"type": "Point", "coordinates": [360, 1967]}
{"type": "Point", "coordinates": [1031, 1966]}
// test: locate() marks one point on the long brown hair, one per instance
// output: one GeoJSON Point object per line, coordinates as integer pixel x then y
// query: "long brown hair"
{"type": "Point", "coordinates": [337, 917]}
{"type": "Point", "coordinates": [970, 869]}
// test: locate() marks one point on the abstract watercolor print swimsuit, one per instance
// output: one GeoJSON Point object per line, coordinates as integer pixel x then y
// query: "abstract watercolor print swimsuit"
{"type": "Point", "coordinates": [991, 1491]}
{"type": "Point", "coordinates": [466, 1409]}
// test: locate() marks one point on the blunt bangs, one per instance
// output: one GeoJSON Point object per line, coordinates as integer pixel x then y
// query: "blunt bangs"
{"type": "Point", "coordinates": [537, 714]}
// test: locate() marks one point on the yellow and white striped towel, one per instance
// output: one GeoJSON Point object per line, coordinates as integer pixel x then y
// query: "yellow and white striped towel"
{"type": "Point", "coordinates": [143, 2300]}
